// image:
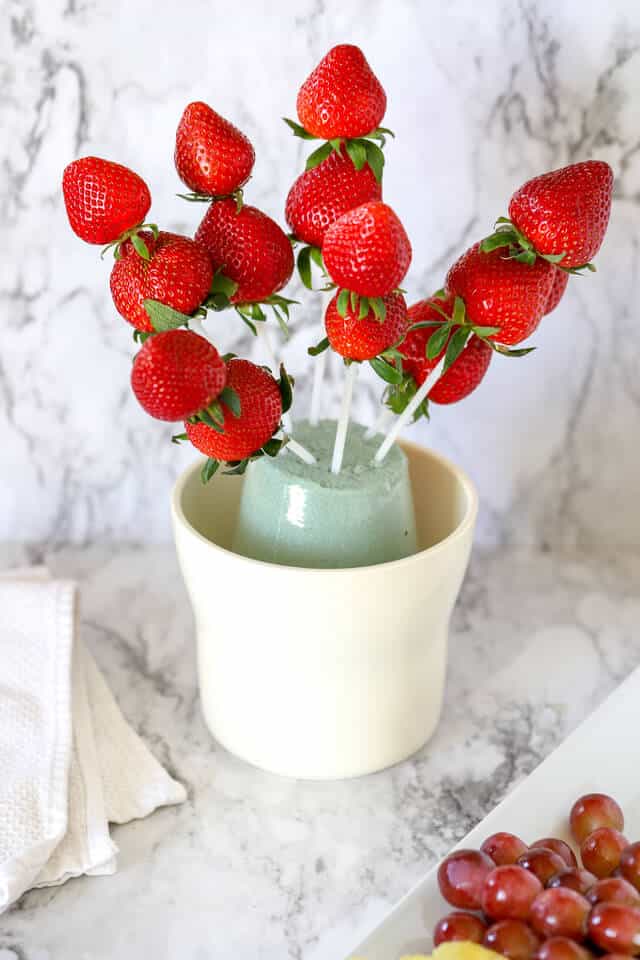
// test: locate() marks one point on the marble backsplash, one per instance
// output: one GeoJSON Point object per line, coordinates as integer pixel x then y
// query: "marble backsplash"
{"type": "Point", "coordinates": [481, 97]}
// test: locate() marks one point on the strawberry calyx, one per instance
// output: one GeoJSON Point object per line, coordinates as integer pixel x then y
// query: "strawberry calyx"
{"type": "Point", "coordinates": [520, 248]}
{"type": "Point", "coordinates": [307, 256]}
{"type": "Point", "coordinates": [137, 242]}
{"type": "Point", "coordinates": [350, 300]}
{"type": "Point", "coordinates": [455, 332]}
{"type": "Point", "coordinates": [361, 150]}
{"type": "Point", "coordinates": [237, 195]}
{"type": "Point", "coordinates": [252, 313]}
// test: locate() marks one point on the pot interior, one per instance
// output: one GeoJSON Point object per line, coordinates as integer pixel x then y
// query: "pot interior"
{"type": "Point", "coordinates": [444, 499]}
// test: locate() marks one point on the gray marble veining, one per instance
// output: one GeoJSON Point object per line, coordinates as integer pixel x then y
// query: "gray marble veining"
{"type": "Point", "coordinates": [268, 868]}
{"type": "Point", "coordinates": [480, 101]}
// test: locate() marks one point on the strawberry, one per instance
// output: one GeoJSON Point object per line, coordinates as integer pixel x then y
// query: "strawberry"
{"type": "Point", "coordinates": [176, 374]}
{"type": "Point", "coordinates": [342, 97]}
{"type": "Point", "coordinates": [501, 292]}
{"type": "Point", "coordinates": [323, 194]}
{"type": "Point", "coordinates": [560, 216]}
{"type": "Point", "coordinates": [367, 250]}
{"type": "Point", "coordinates": [212, 157]}
{"type": "Point", "coordinates": [178, 273]}
{"type": "Point", "coordinates": [260, 409]}
{"type": "Point", "coordinates": [558, 287]}
{"type": "Point", "coordinates": [250, 247]}
{"type": "Point", "coordinates": [464, 374]}
{"type": "Point", "coordinates": [366, 338]}
{"type": "Point", "coordinates": [103, 199]}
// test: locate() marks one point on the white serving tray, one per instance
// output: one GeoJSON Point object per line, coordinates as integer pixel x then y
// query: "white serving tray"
{"type": "Point", "coordinates": [602, 754]}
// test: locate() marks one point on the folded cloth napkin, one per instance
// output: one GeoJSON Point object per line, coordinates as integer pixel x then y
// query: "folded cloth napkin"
{"type": "Point", "coordinates": [69, 762]}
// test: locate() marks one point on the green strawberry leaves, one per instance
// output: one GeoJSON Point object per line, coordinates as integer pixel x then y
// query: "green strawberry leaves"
{"type": "Point", "coordinates": [285, 386]}
{"type": "Point", "coordinates": [319, 348]}
{"type": "Point", "coordinates": [349, 300]}
{"type": "Point", "coordinates": [315, 159]}
{"type": "Point", "coordinates": [521, 249]}
{"type": "Point", "coordinates": [237, 195]}
{"type": "Point", "coordinates": [230, 398]}
{"type": "Point", "coordinates": [386, 371]}
{"type": "Point", "coordinates": [209, 468]}
{"type": "Point", "coordinates": [307, 256]}
{"type": "Point", "coordinates": [163, 318]}
{"type": "Point", "coordinates": [361, 150]}
{"type": "Point", "coordinates": [298, 130]}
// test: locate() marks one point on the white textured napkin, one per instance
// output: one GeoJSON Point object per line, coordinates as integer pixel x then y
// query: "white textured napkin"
{"type": "Point", "coordinates": [69, 762]}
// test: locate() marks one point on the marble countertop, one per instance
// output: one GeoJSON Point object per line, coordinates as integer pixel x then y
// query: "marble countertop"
{"type": "Point", "coordinates": [261, 867]}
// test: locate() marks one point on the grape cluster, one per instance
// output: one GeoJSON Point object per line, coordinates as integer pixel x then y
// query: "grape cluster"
{"type": "Point", "coordinates": [536, 902]}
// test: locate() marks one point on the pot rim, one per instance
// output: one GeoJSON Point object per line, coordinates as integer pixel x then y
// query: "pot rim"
{"type": "Point", "coordinates": [467, 523]}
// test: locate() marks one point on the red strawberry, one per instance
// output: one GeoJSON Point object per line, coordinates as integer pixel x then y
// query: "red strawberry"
{"type": "Point", "coordinates": [260, 412]}
{"type": "Point", "coordinates": [566, 211]}
{"type": "Point", "coordinates": [342, 97]}
{"type": "Point", "coordinates": [464, 374]}
{"type": "Point", "coordinates": [103, 199]}
{"type": "Point", "coordinates": [212, 157]}
{"type": "Point", "coordinates": [367, 250]}
{"type": "Point", "coordinates": [558, 287]}
{"type": "Point", "coordinates": [250, 247]}
{"type": "Point", "coordinates": [323, 194]}
{"type": "Point", "coordinates": [176, 374]}
{"type": "Point", "coordinates": [178, 274]}
{"type": "Point", "coordinates": [499, 292]}
{"type": "Point", "coordinates": [365, 339]}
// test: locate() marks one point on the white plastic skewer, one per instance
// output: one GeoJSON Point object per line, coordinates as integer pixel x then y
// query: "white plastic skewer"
{"type": "Point", "coordinates": [343, 420]}
{"type": "Point", "coordinates": [319, 368]}
{"type": "Point", "coordinates": [197, 326]}
{"type": "Point", "coordinates": [381, 424]}
{"type": "Point", "coordinates": [296, 448]}
{"type": "Point", "coordinates": [405, 417]}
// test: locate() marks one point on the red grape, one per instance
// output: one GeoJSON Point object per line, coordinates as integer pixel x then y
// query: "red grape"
{"type": "Point", "coordinates": [560, 912]}
{"type": "Point", "coordinates": [614, 890]}
{"type": "Point", "coordinates": [542, 863]}
{"type": "Point", "coordinates": [601, 851]}
{"type": "Point", "coordinates": [630, 864]}
{"type": "Point", "coordinates": [562, 948]}
{"type": "Point", "coordinates": [459, 926]}
{"type": "Point", "coordinates": [560, 847]}
{"type": "Point", "coordinates": [461, 876]}
{"type": "Point", "coordinates": [512, 938]}
{"type": "Point", "coordinates": [615, 927]}
{"type": "Point", "coordinates": [504, 848]}
{"type": "Point", "coordinates": [508, 893]}
{"type": "Point", "coordinates": [592, 811]}
{"type": "Point", "coordinates": [574, 879]}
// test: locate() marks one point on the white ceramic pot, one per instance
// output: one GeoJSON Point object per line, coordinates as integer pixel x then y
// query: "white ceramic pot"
{"type": "Point", "coordinates": [324, 674]}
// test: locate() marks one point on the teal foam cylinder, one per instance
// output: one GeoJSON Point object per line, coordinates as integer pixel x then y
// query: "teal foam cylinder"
{"type": "Point", "coordinates": [305, 516]}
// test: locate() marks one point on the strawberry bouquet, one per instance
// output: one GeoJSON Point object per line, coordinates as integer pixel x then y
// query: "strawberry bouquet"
{"type": "Point", "coordinates": [347, 243]}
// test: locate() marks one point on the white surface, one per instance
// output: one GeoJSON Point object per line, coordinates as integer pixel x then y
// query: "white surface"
{"type": "Point", "coordinates": [344, 673]}
{"type": "Point", "coordinates": [254, 866]}
{"type": "Point", "coordinates": [69, 763]}
{"type": "Point", "coordinates": [597, 757]}
{"type": "Point", "coordinates": [480, 99]}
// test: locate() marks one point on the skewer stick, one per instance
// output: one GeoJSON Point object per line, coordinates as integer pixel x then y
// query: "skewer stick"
{"type": "Point", "coordinates": [320, 366]}
{"type": "Point", "coordinates": [405, 417]}
{"type": "Point", "coordinates": [381, 424]}
{"type": "Point", "coordinates": [343, 420]}
{"type": "Point", "coordinates": [196, 324]}
{"type": "Point", "coordinates": [296, 448]}
{"type": "Point", "coordinates": [316, 390]}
